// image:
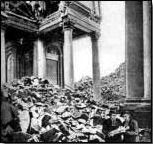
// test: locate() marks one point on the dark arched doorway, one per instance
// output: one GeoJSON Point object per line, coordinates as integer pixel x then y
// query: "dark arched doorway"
{"type": "Point", "coordinates": [53, 64]}
{"type": "Point", "coordinates": [24, 60]}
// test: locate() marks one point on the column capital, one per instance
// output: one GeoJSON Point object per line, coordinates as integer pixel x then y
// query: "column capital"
{"type": "Point", "coordinates": [67, 24]}
{"type": "Point", "coordinates": [148, 3]}
{"type": "Point", "coordinates": [3, 20]}
{"type": "Point", "coordinates": [3, 28]}
{"type": "Point", "coordinates": [3, 25]}
{"type": "Point", "coordinates": [95, 35]}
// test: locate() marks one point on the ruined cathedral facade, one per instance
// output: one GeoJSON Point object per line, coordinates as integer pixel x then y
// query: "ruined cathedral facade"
{"type": "Point", "coordinates": [36, 39]}
{"type": "Point", "coordinates": [37, 36]}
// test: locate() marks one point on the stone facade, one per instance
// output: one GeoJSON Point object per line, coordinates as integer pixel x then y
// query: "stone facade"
{"type": "Point", "coordinates": [138, 60]}
{"type": "Point", "coordinates": [30, 28]}
{"type": "Point", "coordinates": [41, 35]}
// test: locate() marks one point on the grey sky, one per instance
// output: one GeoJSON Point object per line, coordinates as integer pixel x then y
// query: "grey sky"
{"type": "Point", "coordinates": [111, 42]}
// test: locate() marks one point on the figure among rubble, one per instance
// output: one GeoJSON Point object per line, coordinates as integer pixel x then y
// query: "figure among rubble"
{"type": "Point", "coordinates": [109, 126]}
{"type": "Point", "coordinates": [9, 117]}
{"type": "Point", "coordinates": [132, 133]}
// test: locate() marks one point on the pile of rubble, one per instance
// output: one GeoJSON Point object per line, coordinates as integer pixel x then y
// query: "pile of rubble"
{"type": "Point", "coordinates": [109, 89]}
{"type": "Point", "coordinates": [48, 113]}
{"type": "Point", "coordinates": [85, 87]}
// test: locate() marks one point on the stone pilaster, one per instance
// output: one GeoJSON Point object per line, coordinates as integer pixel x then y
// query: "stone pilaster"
{"type": "Point", "coordinates": [3, 57]}
{"type": "Point", "coordinates": [68, 57]}
{"type": "Point", "coordinates": [96, 66]}
{"type": "Point", "coordinates": [134, 51]}
{"type": "Point", "coordinates": [147, 49]}
{"type": "Point", "coordinates": [39, 60]}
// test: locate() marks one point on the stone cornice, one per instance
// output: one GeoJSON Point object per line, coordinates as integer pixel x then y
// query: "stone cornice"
{"type": "Point", "coordinates": [90, 13]}
{"type": "Point", "coordinates": [83, 22]}
{"type": "Point", "coordinates": [21, 25]}
{"type": "Point", "coordinates": [20, 22]}
{"type": "Point", "coordinates": [3, 14]}
{"type": "Point", "coordinates": [71, 19]}
{"type": "Point", "coordinates": [9, 13]}
{"type": "Point", "coordinates": [81, 6]}
{"type": "Point", "coordinates": [50, 21]}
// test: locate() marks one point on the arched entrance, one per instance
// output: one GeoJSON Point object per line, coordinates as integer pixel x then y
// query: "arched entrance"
{"type": "Point", "coordinates": [10, 68]}
{"type": "Point", "coordinates": [24, 60]}
{"type": "Point", "coordinates": [19, 60]}
{"type": "Point", "coordinates": [11, 60]}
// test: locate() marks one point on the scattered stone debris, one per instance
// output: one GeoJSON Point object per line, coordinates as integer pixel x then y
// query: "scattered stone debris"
{"type": "Point", "coordinates": [50, 114]}
{"type": "Point", "coordinates": [47, 113]}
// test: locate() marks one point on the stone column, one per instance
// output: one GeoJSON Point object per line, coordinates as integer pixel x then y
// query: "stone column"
{"type": "Point", "coordinates": [39, 67]}
{"type": "Point", "coordinates": [3, 59]}
{"type": "Point", "coordinates": [147, 48]}
{"type": "Point", "coordinates": [134, 51]}
{"type": "Point", "coordinates": [35, 61]}
{"type": "Point", "coordinates": [61, 70]}
{"type": "Point", "coordinates": [68, 58]}
{"type": "Point", "coordinates": [96, 67]}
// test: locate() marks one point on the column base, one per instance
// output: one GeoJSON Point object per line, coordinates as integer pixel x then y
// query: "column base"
{"type": "Point", "coordinates": [138, 101]}
{"type": "Point", "coordinates": [138, 104]}
{"type": "Point", "coordinates": [140, 110]}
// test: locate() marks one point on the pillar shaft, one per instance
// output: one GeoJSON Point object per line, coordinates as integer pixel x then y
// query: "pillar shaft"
{"type": "Point", "coordinates": [39, 66]}
{"type": "Point", "coordinates": [68, 59]}
{"type": "Point", "coordinates": [134, 50]}
{"type": "Point", "coordinates": [35, 69]}
{"type": "Point", "coordinates": [61, 70]}
{"type": "Point", "coordinates": [147, 48]}
{"type": "Point", "coordinates": [96, 67]}
{"type": "Point", "coordinates": [3, 59]}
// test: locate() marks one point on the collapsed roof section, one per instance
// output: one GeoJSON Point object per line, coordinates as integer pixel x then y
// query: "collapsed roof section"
{"type": "Point", "coordinates": [44, 16]}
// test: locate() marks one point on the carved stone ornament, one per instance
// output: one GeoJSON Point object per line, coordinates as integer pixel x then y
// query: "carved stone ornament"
{"type": "Point", "coordinates": [62, 6]}
{"type": "Point", "coordinates": [38, 7]}
{"type": "Point", "coordinates": [29, 9]}
{"type": "Point", "coordinates": [4, 5]}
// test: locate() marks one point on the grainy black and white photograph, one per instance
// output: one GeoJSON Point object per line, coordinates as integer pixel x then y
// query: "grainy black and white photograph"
{"type": "Point", "coordinates": [76, 71]}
